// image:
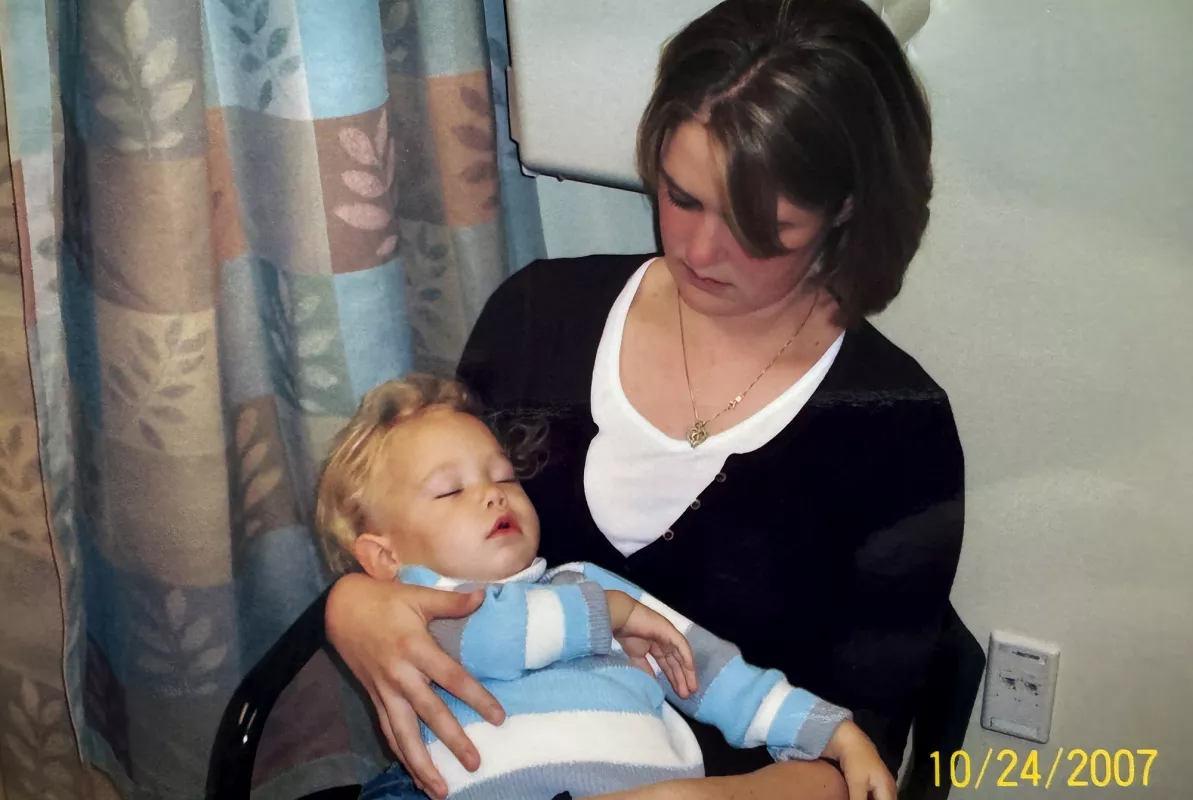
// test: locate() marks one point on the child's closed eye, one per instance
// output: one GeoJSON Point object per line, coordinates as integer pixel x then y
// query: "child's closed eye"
{"type": "Point", "coordinates": [503, 472]}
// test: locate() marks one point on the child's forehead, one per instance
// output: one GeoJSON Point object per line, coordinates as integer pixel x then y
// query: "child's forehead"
{"type": "Point", "coordinates": [439, 436]}
{"type": "Point", "coordinates": [444, 423]}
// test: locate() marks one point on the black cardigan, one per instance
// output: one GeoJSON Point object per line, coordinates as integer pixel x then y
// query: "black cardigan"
{"type": "Point", "coordinates": [828, 553]}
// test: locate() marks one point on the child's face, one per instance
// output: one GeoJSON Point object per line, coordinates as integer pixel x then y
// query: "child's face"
{"type": "Point", "coordinates": [449, 499]}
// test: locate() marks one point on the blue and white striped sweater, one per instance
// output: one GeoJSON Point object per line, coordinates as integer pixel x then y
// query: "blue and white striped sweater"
{"type": "Point", "coordinates": [579, 717]}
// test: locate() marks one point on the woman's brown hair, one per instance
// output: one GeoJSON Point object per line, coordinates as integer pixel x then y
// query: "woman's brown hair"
{"type": "Point", "coordinates": [813, 101]}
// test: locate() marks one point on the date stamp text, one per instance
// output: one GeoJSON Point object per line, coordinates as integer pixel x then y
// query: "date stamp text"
{"type": "Point", "coordinates": [1075, 768]}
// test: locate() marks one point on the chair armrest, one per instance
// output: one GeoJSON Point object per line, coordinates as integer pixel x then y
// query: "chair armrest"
{"type": "Point", "coordinates": [230, 769]}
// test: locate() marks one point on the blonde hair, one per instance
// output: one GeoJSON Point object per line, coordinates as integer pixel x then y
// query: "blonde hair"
{"type": "Point", "coordinates": [344, 509]}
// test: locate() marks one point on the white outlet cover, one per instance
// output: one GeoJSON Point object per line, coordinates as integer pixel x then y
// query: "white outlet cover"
{"type": "Point", "coordinates": [1020, 690]}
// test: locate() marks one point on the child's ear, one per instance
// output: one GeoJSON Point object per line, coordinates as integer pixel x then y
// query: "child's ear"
{"type": "Point", "coordinates": [376, 554]}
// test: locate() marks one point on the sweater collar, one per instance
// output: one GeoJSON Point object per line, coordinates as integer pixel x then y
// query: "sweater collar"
{"type": "Point", "coordinates": [424, 576]}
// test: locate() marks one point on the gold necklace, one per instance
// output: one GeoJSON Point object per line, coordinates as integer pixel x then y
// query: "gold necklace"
{"type": "Point", "coordinates": [698, 433]}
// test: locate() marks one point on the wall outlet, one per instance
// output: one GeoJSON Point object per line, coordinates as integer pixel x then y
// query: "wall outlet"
{"type": "Point", "coordinates": [1020, 686]}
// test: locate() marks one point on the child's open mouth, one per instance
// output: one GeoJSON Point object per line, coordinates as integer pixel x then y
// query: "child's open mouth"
{"type": "Point", "coordinates": [506, 524]}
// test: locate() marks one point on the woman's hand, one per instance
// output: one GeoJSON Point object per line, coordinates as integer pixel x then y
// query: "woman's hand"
{"type": "Point", "coordinates": [865, 774]}
{"type": "Point", "coordinates": [380, 630]}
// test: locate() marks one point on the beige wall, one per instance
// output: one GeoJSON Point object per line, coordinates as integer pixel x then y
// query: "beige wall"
{"type": "Point", "coordinates": [1054, 300]}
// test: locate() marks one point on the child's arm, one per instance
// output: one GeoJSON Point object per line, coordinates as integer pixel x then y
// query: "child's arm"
{"type": "Point", "coordinates": [521, 627]}
{"type": "Point", "coordinates": [651, 642]}
{"type": "Point", "coordinates": [751, 707]}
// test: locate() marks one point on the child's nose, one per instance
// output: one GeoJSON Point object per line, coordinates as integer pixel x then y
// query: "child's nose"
{"type": "Point", "coordinates": [495, 497]}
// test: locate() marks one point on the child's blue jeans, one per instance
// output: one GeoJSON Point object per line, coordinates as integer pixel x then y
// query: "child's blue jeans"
{"type": "Point", "coordinates": [396, 784]}
{"type": "Point", "coordinates": [393, 784]}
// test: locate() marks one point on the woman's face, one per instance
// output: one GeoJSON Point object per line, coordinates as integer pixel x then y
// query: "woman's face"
{"type": "Point", "coordinates": [714, 274]}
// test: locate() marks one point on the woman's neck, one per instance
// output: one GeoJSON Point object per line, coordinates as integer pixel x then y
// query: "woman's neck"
{"type": "Point", "coordinates": [769, 324]}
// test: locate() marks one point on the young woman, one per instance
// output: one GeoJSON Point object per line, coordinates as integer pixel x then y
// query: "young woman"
{"type": "Point", "coordinates": [726, 428]}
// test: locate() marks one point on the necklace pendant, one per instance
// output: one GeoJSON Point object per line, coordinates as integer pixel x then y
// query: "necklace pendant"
{"type": "Point", "coordinates": [697, 433]}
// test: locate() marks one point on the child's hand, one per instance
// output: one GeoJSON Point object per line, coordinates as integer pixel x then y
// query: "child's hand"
{"type": "Point", "coordinates": [641, 631]}
{"type": "Point", "coordinates": [865, 774]}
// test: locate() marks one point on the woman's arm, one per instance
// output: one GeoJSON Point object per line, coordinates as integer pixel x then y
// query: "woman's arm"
{"type": "Point", "coordinates": [889, 612]}
{"type": "Point", "coordinates": [790, 780]}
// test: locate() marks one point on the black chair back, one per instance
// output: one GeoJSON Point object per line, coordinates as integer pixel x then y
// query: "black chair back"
{"type": "Point", "coordinates": [942, 716]}
{"type": "Point", "coordinates": [230, 768]}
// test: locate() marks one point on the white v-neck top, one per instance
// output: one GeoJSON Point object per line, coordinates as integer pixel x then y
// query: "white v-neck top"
{"type": "Point", "coordinates": [637, 480]}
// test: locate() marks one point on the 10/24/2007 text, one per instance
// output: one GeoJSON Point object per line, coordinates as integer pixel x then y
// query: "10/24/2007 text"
{"type": "Point", "coordinates": [1080, 768]}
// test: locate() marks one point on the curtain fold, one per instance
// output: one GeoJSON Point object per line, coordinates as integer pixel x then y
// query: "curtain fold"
{"type": "Point", "coordinates": [228, 220]}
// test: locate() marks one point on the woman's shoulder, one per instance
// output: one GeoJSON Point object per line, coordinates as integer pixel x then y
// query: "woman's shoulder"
{"type": "Point", "coordinates": [888, 395]}
{"type": "Point", "coordinates": [564, 279]}
{"type": "Point", "coordinates": [872, 363]}
{"type": "Point", "coordinates": [538, 333]}
{"type": "Point", "coordinates": [895, 437]}
{"type": "Point", "coordinates": [556, 297]}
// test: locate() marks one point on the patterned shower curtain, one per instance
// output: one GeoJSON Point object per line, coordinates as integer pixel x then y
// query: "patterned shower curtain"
{"type": "Point", "coordinates": [220, 223]}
